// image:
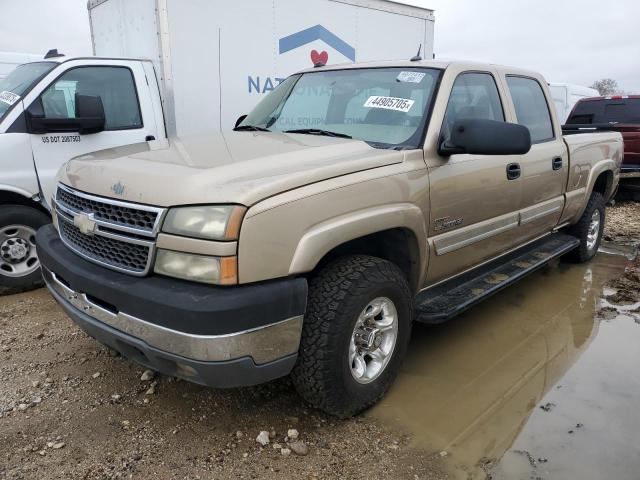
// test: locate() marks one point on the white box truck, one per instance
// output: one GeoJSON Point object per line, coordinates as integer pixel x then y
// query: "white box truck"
{"type": "Point", "coordinates": [166, 68]}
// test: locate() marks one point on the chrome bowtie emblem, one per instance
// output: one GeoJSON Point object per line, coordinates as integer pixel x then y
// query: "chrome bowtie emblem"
{"type": "Point", "coordinates": [117, 188]}
{"type": "Point", "coordinates": [85, 223]}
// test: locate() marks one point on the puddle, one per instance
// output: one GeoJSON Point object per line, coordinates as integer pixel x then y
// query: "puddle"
{"type": "Point", "coordinates": [473, 387]}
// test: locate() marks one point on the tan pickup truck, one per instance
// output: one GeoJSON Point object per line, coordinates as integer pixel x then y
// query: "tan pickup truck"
{"type": "Point", "coordinates": [352, 201]}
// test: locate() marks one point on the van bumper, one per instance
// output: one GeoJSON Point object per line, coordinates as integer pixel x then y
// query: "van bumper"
{"type": "Point", "coordinates": [215, 336]}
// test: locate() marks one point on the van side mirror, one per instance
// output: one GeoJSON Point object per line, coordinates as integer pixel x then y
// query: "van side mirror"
{"type": "Point", "coordinates": [240, 120]}
{"type": "Point", "coordinates": [486, 137]}
{"type": "Point", "coordinates": [89, 117]}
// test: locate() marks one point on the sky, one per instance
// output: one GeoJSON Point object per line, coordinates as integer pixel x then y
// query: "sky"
{"type": "Point", "coordinates": [573, 41]}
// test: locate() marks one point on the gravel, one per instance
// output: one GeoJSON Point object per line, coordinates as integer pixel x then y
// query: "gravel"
{"type": "Point", "coordinates": [111, 426]}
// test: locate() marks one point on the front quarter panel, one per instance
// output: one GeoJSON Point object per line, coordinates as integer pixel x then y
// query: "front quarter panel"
{"type": "Point", "coordinates": [18, 174]}
{"type": "Point", "coordinates": [290, 233]}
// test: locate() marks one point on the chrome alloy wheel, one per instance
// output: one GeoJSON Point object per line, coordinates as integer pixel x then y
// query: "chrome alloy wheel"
{"type": "Point", "coordinates": [373, 340]}
{"type": "Point", "coordinates": [594, 230]}
{"type": "Point", "coordinates": [18, 251]}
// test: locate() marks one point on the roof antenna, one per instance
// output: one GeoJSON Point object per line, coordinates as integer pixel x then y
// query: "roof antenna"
{"type": "Point", "coordinates": [53, 53]}
{"type": "Point", "coordinates": [418, 57]}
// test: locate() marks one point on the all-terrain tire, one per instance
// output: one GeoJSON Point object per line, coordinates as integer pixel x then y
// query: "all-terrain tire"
{"type": "Point", "coordinates": [581, 230]}
{"type": "Point", "coordinates": [338, 294]}
{"type": "Point", "coordinates": [22, 216]}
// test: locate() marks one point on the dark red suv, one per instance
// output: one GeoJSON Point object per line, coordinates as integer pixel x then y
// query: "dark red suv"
{"type": "Point", "coordinates": [620, 113]}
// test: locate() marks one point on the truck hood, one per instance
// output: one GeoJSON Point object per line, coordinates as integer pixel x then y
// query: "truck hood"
{"type": "Point", "coordinates": [234, 167]}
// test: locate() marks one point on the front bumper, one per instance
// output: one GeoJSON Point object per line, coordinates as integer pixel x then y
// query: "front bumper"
{"type": "Point", "coordinates": [216, 336]}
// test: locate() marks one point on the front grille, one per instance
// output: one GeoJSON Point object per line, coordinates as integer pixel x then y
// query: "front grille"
{"type": "Point", "coordinates": [109, 251]}
{"type": "Point", "coordinates": [115, 234]}
{"type": "Point", "coordinates": [108, 212]}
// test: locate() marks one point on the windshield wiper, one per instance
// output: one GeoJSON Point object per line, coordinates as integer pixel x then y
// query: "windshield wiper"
{"type": "Point", "coordinates": [317, 131]}
{"type": "Point", "coordinates": [251, 128]}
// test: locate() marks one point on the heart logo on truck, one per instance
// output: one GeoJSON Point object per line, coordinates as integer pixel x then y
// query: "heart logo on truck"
{"type": "Point", "coordinates": [322, 57]}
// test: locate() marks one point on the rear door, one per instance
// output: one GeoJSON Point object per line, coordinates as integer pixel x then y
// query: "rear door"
{"type": "Point", "coordinates": [129, 116]}
{"type": "Point", "coordinates": [474, 203]}
{"type": "Point", "coordinates": [545, 168]}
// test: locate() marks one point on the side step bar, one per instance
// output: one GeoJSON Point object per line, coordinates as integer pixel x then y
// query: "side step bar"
{"type": "Point", "coordinates": [440, 303]}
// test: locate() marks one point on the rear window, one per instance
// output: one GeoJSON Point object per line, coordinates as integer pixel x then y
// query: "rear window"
{"type": "Point", "coordinates": [626, 110]}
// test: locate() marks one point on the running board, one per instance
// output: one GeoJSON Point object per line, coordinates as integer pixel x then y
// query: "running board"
{"type": "Point", "coordinates": [440, 303]}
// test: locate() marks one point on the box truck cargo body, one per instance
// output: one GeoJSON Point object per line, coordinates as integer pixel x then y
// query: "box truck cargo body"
{"type": "Point", "coordinates": [167, 68]}
{"type": "Point", "coordinates": [215, 60]}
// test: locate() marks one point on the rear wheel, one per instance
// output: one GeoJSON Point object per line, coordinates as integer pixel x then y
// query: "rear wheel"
{"type": "Point", "coordinates": [355, 334]}
{"type": "Point", "coordinates": [588, 230]}
{"type": "Point", "coordinates": [19, 265]}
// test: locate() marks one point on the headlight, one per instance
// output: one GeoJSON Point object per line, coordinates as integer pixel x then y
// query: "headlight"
{"type": "Point", "coordinates": [197, 268]}
{"type": "Point", "coordinates": [219, 222]}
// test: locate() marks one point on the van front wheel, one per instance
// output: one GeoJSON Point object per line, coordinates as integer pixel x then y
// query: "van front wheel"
{"type": "Point", "coordinates": [19, 265]}
{"type": "Point", "coordinates": [354, 336]}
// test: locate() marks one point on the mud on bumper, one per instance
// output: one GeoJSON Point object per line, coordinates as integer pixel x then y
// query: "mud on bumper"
{"type": "Point", "coordinates": [221, 337]}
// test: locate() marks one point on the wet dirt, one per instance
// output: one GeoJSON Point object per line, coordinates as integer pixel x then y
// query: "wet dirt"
{"type": "Point", "coordinates": [539, 382]}
{"type": "Point", "coordinates": [69, 409]}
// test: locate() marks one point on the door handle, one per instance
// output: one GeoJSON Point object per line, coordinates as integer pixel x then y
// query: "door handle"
{"type": "Point", "coordinates": [556, 163]}
{"type": "Point", "coordinates": [513, 171]}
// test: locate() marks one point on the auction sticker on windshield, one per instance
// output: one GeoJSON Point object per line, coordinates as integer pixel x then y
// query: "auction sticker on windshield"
{"type": "Point", "coordinates": [410, 77]}
{"type": "Point", "coordinates": [389, 103]}
{"type": "Point", "coordinates": [9, 97]}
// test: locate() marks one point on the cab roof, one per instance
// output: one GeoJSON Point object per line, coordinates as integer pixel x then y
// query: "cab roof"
{"type": "Point", "coordinates": [439, 64]}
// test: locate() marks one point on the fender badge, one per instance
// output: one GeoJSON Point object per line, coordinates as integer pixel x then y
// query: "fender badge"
{"type": "Point", "coordinates": [117, 188]}
{"type": "Point", "coordinates": [446, 223]}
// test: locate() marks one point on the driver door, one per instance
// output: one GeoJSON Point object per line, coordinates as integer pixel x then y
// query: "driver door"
{"type": "Point", "coordinates": [116, 85]}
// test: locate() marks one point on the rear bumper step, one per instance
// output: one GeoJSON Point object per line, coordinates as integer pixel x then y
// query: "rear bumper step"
{"type": "Point", "coordinates": [453, 297]}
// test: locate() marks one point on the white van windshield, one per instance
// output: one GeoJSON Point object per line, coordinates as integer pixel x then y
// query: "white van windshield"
{"type": "Point", "coordinates": [19, 82]}
{"type": "Point", "coordinates": [385, 107]}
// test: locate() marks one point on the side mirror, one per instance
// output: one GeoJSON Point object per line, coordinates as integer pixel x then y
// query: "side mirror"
{"type": "Point", "coordinates": [240, 120]}
{"type": "Point", "coordinates": [89, 117]}
{"type": "Point", "coordinates": [486, 137]}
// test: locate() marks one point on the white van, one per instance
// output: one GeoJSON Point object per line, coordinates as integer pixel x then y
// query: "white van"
{"type": "Point", "coordinates": [167, 68]}
{"type": "Point", "coordinates": [10, 60]}
{"type": "Point", "coordinates": [566, 95]}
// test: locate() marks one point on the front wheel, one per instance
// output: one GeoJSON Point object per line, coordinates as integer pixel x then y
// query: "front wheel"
{"type": "Point", "coordinates": [355, 334]}
{"type": "Point", "coordinates": [588, 230]}
{"type": "Point", "coordinates": [19, 265]}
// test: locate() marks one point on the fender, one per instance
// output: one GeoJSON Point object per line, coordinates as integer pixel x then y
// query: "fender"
{"type": "Point", "coordinates": [605, 165]}
{"type": "Point", "coordinates": [324, 237]}
{"type": "Point", "coordinates": [19, 191]}
{"type": "Point", "coordinates": [576, 199]}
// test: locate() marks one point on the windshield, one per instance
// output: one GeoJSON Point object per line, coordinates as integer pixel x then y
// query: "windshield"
{"type": "Point", "coordinates": [622, 110]}
{"type": "Point", "coordinates": [386, 107]}
{"type": "Point", "coordinates": [18, 83]}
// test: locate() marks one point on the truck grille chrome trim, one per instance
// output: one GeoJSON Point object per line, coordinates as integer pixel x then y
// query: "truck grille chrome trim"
{"type": "Point", "coordinates": [114, 234]}
{"type": "Point", "coordinates": [263, 344]}
{"type": "Point", "coordinates": [128, 217]}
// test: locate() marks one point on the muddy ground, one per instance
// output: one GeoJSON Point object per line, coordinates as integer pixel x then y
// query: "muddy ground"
{"type": "Point", "coordinates": [69, 409]}
{"type": "Point", "coordinates": [623, 228]}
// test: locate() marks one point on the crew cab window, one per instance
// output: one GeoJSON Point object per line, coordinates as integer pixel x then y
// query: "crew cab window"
{"type": "Point", "coordinates": [531, 107]}
{"type": "Point", "coordinates": [114, 85]}
{"type": "Point", "coordinates": [473, 96]}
